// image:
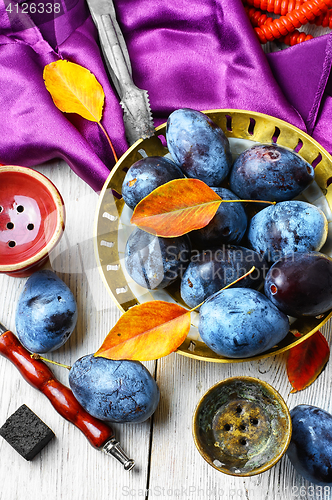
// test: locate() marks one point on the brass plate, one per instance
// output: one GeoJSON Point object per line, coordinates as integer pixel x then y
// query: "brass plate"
{"type": "Point", "coordinates": [112, 225]}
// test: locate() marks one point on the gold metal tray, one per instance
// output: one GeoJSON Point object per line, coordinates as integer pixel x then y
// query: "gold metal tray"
{"type": "Point", "coordinates": [112, 222]}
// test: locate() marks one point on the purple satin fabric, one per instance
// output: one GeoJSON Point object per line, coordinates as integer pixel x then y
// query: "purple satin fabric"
{"type": "Point", "coordinates": [201, 54]}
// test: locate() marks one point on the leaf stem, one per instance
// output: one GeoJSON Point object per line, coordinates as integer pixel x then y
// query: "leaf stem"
{"type": "Point", "coordinates": [109, 141]}
{"type": "Point", "coordinates": [38, 356]}
{"type": "Point", "coordinates": [248, 201]}
{"type": "Point", "coordinates": [227, 286]}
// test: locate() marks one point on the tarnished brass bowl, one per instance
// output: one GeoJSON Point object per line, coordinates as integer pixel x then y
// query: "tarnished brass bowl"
{"type": "Point", "coordinates": [112, 221]}
{"type": "Point", "coordinates": [242, 426]}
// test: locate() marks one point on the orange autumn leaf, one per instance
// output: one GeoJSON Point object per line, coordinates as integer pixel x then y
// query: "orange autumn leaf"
{"type": "Point", "coordinates": [74, 89]}
{"type": "Point", "coordinates": [177, 207]}
{"type": "Point", "coordinates": [306, 361]}
{"type": "Point", "coordinates": [147, 331]}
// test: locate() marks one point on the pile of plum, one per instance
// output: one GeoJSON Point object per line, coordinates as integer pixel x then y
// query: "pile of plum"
{"type": "Point", "coordinates": [292, 278]}
{"type": "Point", "coordinates": [110, 390]}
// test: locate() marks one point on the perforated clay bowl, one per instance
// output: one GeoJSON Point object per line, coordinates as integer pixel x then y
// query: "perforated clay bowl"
{"type": "Point", "coordinates": [112, 222]}
{"type": "Point", "coordinates": [32, 220]}
{"type": "Point", "coordinates": [242, 426]}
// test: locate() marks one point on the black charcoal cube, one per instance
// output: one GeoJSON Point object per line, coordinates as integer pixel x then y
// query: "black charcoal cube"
{"type": "Point", "coordinates": [26, 433]}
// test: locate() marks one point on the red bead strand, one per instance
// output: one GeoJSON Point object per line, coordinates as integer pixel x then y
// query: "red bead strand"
{"type": "Point", "coordinates": [296, 37]}
{"type": "Point", "coordinates": [324, 20]}
{"type": "Point", "coordinates": [281, 7]}
{"type": "Point", "coordinates": [292, 20]}
{"type": "Point", "coordinates": [257, 18]}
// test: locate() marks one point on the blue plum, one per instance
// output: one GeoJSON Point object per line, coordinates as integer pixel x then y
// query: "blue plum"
{"type": "Point", "coordinates": [46, 312]}
{"type": "Point", "coordinates": [146, 175]}
{"type": "Point", "coordinates": [213, 269]}
{"type": "Point", "coordinates": [310, 449]}
{"type": "Point", "coordinates": [198, 145]}
{"type": "Point", "coordinates": [287, 227]}
{"type": "Point", "coordinates": [270, 172]}
{"type": "Point", "coordinates": [114, 391]}
{"type": "Point", "coordinates": [241, 322]}
{"type": "Point", "coordinates": [227, 226]}
{"type": "Point", "coordinates": [301, 284]}
{"type": "Point", "coordinates": [154, 262]}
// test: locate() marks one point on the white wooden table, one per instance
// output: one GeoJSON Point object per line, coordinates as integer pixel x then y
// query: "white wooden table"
{"type": "Point", "coordinates": [168, 464]}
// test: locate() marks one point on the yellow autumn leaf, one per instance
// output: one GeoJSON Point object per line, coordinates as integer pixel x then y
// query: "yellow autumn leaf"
{"type": "Point", "coordinates": [74, 89]}
{"type": "Point", "coordinates": [150, 330]}
{"type": "Point", "coordinates": [147, 331]}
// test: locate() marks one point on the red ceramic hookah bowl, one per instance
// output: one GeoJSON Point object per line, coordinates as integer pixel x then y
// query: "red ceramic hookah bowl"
{"type": "Point", "coordinates": [32, 220]}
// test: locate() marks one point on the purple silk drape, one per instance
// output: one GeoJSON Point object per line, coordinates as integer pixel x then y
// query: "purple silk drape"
{"type": "Point", "coordinates": [201, 54]}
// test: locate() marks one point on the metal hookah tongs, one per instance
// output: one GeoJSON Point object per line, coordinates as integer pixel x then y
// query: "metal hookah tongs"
{"type": "Point", "coordinates": [134, 101]}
